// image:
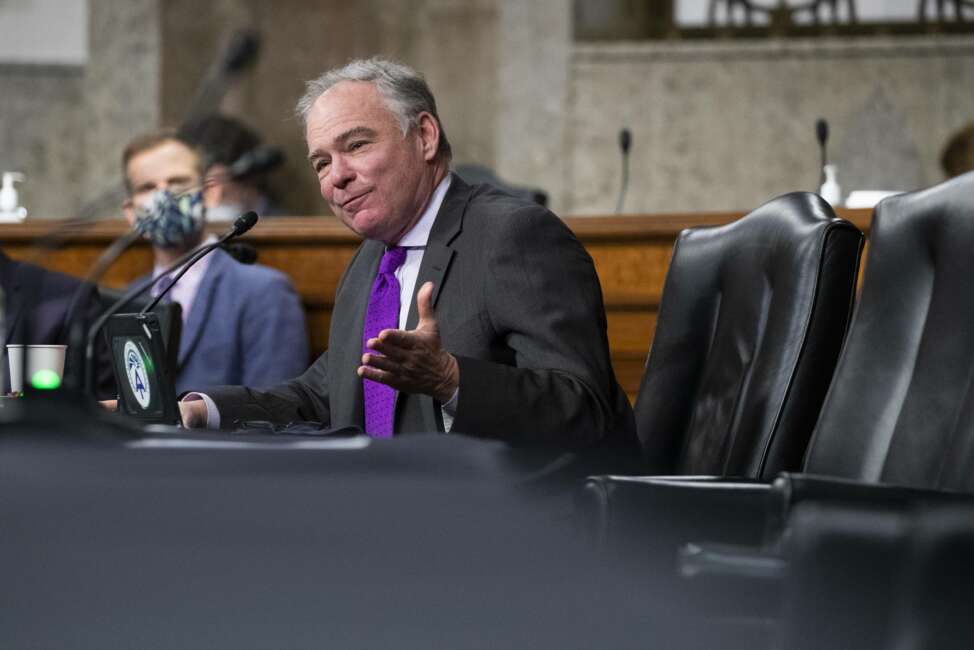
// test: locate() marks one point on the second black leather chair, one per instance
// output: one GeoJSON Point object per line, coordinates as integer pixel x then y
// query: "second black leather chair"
{"type": "Point", "coordinates": [751, 322]}
{"type": "Point", "coordinates": [750, 326]}
{"type": "Point", "coordinates": [898, 422]}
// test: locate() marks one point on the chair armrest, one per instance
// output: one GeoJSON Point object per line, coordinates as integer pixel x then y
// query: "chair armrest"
{"type": "Point", "coordinates": [639, 514]}
{"type": "Point", "coordinates": [721, 560]}
{"type": "Point", "coordinates": [791, 489]}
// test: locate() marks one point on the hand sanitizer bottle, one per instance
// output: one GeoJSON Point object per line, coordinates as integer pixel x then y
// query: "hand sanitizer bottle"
{"type": "Point", "coordinates": [830, 190]}
{"type": "Point", "coordinates": [10, 209]}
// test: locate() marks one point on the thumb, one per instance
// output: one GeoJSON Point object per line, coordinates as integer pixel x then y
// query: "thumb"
{"type": "Point", "coordinates": [424, 306]}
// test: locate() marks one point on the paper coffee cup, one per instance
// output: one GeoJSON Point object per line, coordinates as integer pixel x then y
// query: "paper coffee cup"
{"type": "Point", "coordinates": [41, 360]}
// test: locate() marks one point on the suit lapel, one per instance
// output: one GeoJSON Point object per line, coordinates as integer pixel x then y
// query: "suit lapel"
{"type": "Point", "coordinates": [202, 304]}
{"type": "Point", "coordinates": [435, 268]}
{"type": "Point", "coordinates": [345, 337]}
{"type": "Point", "coordinates": [438, 254]}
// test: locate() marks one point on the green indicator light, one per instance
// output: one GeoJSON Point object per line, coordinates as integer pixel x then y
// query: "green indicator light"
{"type": "Point", "coordinates": [149, 366]}
{"type": "Point", "coordinates": [45, 380]}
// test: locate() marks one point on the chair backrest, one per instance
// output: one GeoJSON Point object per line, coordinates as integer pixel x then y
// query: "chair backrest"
{"type": "Point", "coordinates": [901, 407]}
{"type": "Point", "coordinates": [751, 322]}
{"type": "Point", "coordinates": [473, 173]}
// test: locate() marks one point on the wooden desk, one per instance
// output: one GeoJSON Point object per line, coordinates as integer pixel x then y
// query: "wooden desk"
{"type": "Point", "coordinates": [631, 253]}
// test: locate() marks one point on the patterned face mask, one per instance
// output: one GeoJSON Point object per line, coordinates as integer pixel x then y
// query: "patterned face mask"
{"type": "Point", "coordinates": [171, 220]}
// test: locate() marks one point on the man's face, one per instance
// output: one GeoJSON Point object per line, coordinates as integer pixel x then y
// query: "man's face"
{"type": "Point", "coordinates": [169, 166]}
{"type": "Point", "coordinates": [376, 180]}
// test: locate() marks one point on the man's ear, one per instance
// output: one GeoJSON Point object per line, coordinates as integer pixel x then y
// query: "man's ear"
{"type": "Point", "coordinates": [128, 210]}
{"type": "Point", "coordinates": [429, 135]}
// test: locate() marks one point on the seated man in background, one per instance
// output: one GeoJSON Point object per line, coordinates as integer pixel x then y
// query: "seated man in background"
{"type": "Point", "coordinates": [47, 303]}
{"type": "Point", "coordinates": [465, 309]}
{"type": "Point", "coordinates": [958, 154]}
{"type": "Point", "coordinates": [241, 324]}
{"type": "Point", "coordinates": [237, 166]}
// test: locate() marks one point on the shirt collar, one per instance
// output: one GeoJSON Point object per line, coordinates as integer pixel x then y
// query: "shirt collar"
{"type": "Point", "coordinates": [419, 234]}
{"type": "Point", "coordinates": [195, 270]}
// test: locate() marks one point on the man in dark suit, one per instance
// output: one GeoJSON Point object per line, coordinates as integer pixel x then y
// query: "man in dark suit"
{"type": "Point", "coordinates": [465, 309]}
{"type": "Point", "coordinates": [241, 324]}
{"type": "Point", "coordinates": [39, 307]}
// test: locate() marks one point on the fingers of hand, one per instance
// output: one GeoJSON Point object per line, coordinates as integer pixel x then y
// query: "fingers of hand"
{"type": "Point", "coordinates": [379, 362]}
{"type": "Point", "coordinates": [424, 304]}
{"type": "Point", "coordinates": [395, 343]}
{"type": "Point", "coordinates": [381, 376]}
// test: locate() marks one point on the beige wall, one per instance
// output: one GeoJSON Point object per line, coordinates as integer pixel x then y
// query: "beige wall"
{"type": "Point", "coordinates": [453, 41]}
{"type": "Point", "coordinates": [727, 125]}
{"type": "Point", "coordinates": [717, 125]}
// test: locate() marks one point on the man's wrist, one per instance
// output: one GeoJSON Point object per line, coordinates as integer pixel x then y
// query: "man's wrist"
{"type": "Point", "coordinates": [448, 388]}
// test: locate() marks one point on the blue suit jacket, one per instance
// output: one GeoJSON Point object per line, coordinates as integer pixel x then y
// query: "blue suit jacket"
{"type": "Point", "coordinates": [245, 326]}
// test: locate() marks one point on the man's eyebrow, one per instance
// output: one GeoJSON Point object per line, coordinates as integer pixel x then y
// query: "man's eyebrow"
{"type": "Point", "coordinates": [358, 131]}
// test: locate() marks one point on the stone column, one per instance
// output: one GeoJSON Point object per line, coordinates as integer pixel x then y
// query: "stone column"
{"type": "Point", "coordinates": [121, 92]}
{"type": "Point", "coordinates": [535, 44]}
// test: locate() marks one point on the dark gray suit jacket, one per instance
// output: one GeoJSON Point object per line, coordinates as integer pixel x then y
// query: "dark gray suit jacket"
{"type": "Point", "coordinates": [518, 303]}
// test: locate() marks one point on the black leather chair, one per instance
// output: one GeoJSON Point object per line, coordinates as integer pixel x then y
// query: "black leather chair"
{"type": "Point", "coordinates": [750, 326]}
{"type": "Point", "coordinates": [870, 578]}
{"type": "Point", "coordinates": [896, 425]}
{"type": "Point", "coordinates": [472, 173]}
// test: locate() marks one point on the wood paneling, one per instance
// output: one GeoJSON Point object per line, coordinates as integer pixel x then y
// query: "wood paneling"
{"type": "Point", "coordinates": [631, 254]}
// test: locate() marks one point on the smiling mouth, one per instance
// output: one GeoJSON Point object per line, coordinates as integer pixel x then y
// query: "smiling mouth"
{"type": "Point", "coordinates": [354, 203]}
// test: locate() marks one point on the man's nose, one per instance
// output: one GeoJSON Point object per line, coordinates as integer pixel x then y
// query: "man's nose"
{"type": "Point", "coordinates": [340, 173]}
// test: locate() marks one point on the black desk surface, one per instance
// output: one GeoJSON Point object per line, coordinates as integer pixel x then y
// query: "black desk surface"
{"type": "Point", "coordinates": [429, 541]}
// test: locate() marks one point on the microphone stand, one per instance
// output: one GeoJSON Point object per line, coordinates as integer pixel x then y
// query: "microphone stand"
{"type": "Point", "coordinates": [240, 226]}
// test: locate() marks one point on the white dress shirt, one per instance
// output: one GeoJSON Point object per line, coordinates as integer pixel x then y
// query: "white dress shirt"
{"type": "Point", "coordinates": [184, 292]}
{"type": "Point", "coordinates": [414, 241]}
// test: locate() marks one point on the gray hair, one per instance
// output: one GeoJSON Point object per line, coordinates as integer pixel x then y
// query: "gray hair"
{"type": "Point", "coordinates": [404, 90]}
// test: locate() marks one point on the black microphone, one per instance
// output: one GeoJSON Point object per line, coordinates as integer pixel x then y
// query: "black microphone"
{"type": "Point", "coordinates": [258, 160]}
{"type": "Point", "coordinates": [243, 223]}
{"type": "Point", "coordinates": [625, 143]}
{"type": "Point", "coordinates": [822, 134]}
{"type": "Point", "coordinates": [242, 51]}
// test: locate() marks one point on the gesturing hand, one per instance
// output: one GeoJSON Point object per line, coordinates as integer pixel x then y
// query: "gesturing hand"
{"type": "Point", "coordinates": [413, 361]}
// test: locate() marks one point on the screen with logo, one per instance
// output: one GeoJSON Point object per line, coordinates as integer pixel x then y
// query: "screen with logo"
{"type": "Point", "coordinates": [139, 383]}
{"type": "Point", "coordinates": [139, 357]}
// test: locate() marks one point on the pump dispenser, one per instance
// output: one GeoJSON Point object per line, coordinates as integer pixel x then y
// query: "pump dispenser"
{"type": "Point", "coordinates": [831, 191]}
{"type": "Point", "coordinates": [10, 209]}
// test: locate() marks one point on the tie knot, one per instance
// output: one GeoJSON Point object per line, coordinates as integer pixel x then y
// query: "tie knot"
{"type": "Point", "coordinates": [392, 260]}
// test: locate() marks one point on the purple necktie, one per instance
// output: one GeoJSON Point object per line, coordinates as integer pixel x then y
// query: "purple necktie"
{"type": "Point", "coordinates": [382, 314]}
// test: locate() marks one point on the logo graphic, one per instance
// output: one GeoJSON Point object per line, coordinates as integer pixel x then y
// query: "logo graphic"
{"type": "Point", "coordinates": [138, 379]}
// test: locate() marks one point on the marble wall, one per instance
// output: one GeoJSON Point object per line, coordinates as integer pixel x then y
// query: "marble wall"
{"type": "Point", "coordinates": [717, 125]}
{"type": "Point", "coordinates": [727, 125]}
{"type": "Point", "coordinates": [42, 134]}
{"type": "Point", "coordinates": [454, 42]}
